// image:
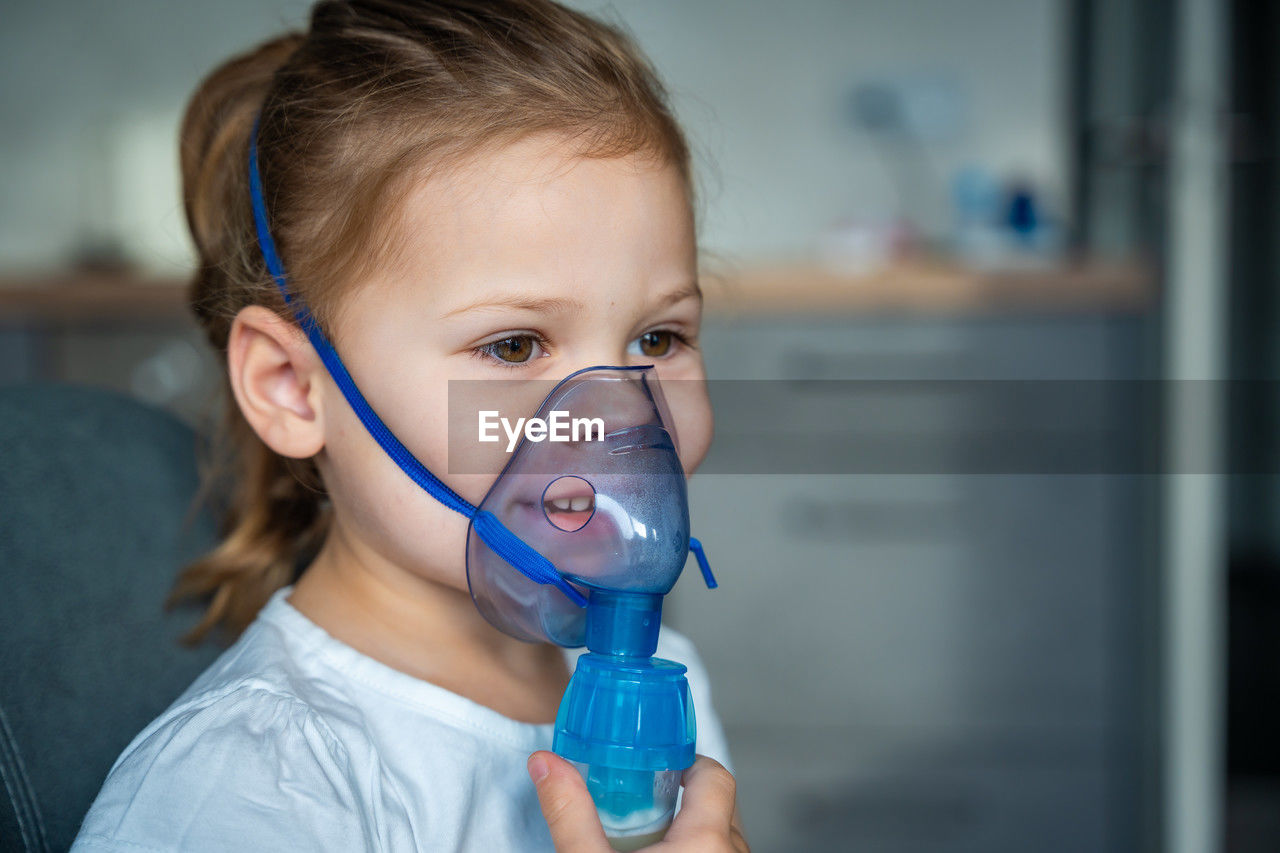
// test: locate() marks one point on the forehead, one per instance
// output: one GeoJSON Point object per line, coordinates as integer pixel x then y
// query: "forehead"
{"type": "Point", "coordinates": [535, 211]}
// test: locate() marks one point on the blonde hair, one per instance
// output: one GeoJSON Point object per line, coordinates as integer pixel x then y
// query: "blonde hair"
{"type": "Point", "coordinates": [348, 114]}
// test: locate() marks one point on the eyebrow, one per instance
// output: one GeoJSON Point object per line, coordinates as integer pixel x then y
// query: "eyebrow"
{"type": "Point", "coordinates": [560, 305]}
{"type": "Point", "coordinates": [543, 305]}
{"type": "Point", "coordinates": [689, 290]}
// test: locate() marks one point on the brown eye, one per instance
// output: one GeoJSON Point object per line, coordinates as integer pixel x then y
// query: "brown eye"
{"type": "Point", "coordinates": [655, 344]}
{"type": "Point", "coordinates": [514, 350]}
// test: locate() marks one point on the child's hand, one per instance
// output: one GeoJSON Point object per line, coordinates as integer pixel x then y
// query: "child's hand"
{"type": "Point", "coordinates": [707, 821]}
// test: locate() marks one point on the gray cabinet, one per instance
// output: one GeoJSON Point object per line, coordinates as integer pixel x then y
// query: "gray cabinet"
{"type": "Point", "coordinates": [939, 655]}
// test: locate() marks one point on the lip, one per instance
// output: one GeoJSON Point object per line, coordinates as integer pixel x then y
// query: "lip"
{"type": "Point", "coordinates": [570, 512]}
{"type": "Point", "coordinates": [534, 521]}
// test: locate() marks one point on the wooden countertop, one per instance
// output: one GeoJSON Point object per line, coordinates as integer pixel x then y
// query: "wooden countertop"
{"type": "Point", "coordinates": [923, 287]}
{"type": "Point", "coordinates": [916, 287]}
{"type": "Point", "coordinates": [91, 298]}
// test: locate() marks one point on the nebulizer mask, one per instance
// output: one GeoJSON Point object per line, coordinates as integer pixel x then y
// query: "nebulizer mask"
{"type": "Point", "coordinates": [576, 543]}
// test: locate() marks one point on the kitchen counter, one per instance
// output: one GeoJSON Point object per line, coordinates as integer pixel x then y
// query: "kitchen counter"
{"type": "Point", "coordinates": [929, 287]}
{"type": "Point", "coordinates": [799, 289]}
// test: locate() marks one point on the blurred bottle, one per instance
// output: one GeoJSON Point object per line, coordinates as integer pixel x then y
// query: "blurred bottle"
{"type": "Point", "coordinates": [1001, 225]}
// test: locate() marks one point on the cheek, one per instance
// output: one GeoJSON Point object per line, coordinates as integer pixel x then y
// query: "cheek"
{"type": "Point", "coordinates": [695, 426]}
{"type": "Point", "coordinates": [386, 511]}
{"type": "Point", "coordinates": [685, 390]}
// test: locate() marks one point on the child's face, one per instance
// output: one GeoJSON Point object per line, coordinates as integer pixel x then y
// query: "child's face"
{"type": "Point", "coordinates": [528, 263]}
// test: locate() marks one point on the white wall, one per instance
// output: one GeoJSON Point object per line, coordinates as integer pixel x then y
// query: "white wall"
{"type": "Point", "coordinates": [761, 85]}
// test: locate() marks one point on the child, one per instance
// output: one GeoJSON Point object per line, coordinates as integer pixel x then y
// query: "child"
{"type": "Point", "coordinates": [458, 190]}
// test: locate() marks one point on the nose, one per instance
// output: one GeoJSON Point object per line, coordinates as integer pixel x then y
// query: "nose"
{"type": "Point", "coordinates": [618, 398]}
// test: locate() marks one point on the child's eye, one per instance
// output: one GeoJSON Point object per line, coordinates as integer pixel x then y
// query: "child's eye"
{"type": "Point", "coordinates": [655, 344]}
{"type": "Point", "coordinates": [513, 350]}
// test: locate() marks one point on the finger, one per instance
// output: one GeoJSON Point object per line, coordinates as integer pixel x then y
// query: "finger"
{"type": "Point", "coordinates": [736, 834]}
{"type": "Point", "coordinates": [710, 802]}
{"type": "Point", "coordinates": [566, 804]}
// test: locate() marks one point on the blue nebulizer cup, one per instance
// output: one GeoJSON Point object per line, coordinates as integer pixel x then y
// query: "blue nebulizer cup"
{"type": "Point", "coordinates": [627, 720]}
{"type": "Point", "coordinates": [609, 512]}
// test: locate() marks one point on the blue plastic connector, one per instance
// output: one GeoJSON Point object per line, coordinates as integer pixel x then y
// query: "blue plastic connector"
{"type": "Point", "coordinates": [623, 624]}
{"type": "Point", "coordinates": [627, 718]}
{"type": "Point", "coordinates": [624, 708]}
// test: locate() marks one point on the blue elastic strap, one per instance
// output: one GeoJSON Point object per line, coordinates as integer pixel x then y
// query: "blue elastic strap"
{"type": "Point", "coordinates": [386, 440]}
{"type": "Point", "coordinates": [517, 552]}
{"type": "Point", "coordinates": [491, 531]}
{"type": "Point", "coordinates": [701, 556]}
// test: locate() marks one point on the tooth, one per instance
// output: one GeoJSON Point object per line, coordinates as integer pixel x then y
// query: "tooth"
{"type": "Point", "coordinates": [562, 504]}
{"type": "Point", "coordinates": [580, 504]}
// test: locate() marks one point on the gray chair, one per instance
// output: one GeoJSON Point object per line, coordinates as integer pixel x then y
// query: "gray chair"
{"type": "Point", "coordinates": [95, 520]}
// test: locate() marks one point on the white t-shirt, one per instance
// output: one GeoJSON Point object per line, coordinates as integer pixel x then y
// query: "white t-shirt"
{"type": "Point", "coordinates": [293, 740]}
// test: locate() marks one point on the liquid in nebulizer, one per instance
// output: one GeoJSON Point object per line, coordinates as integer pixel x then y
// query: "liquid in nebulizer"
{"type": "Point", "coordinates": [635, 806]}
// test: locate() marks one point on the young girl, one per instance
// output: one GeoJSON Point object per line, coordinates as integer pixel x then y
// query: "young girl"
{"type": "Point", "coordinates": [472, 189]}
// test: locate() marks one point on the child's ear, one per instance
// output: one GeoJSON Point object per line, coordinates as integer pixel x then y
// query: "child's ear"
{"type": "Point", "coordinates": [275, 376]}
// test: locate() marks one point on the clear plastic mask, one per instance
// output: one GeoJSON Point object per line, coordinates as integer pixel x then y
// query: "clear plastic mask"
{"type": "Point", "coordinates": [608, 508]}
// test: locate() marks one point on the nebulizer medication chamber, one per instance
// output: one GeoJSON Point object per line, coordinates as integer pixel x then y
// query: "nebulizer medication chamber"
{"type": "Point", "coordinates": [610, 511]}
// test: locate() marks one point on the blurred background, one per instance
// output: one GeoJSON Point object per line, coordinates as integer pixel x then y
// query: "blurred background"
{"type": "Point", "coordinates": [959, 655]}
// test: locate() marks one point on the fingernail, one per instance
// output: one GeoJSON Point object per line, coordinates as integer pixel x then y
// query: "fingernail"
{"type": "Point", "coordinates": [538, 768]}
